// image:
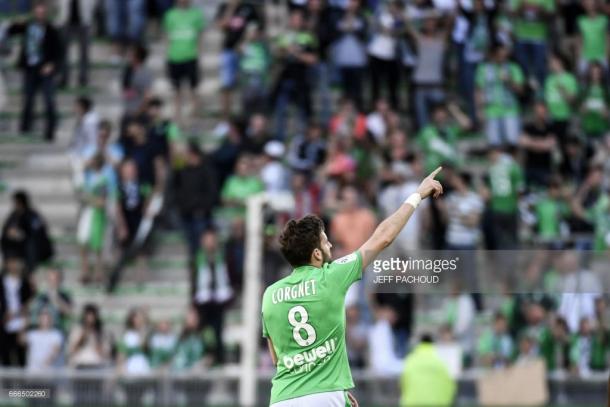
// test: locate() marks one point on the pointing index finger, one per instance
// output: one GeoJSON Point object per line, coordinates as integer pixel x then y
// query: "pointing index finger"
{"type": "Point", "coordinates": [435, 172]}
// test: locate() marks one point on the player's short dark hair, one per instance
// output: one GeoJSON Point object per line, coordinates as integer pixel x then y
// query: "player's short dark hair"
{"type": "Point", "coordinates": [299, 239]}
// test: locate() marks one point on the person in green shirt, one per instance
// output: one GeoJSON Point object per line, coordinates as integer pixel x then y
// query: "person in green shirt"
{"type": "Point", "coordinates": [303, 314]}
{"type": "Point", "coordinates": [499, 83]}
{"type": "Point", "coordinates": [555, 345]}
{"type": "Point", "coordinates": [550, 211]}
{"type": "Point", "coordinates": [438, 139]}
{"type": "Point", "coordinates": [239, 187]}
{"type": "Point", "coordinates": [183, 26]}
{"type": "Point", "coordinates": [531, 29]}
{"type": "Point", "coordinates": [594, 100]}
{"type": "Point", "coordinates": [425, 380]}
{"type": "Point", "coordinates": [254, 64]}
{"type": "Point", "coordinates": [560, 95]}
{"type": "Point", "coordinates": [505, 185]}
{"type": "Point", "coordinates": [496, 347]}
{"type": "Point", "coordinates": [593, 36]}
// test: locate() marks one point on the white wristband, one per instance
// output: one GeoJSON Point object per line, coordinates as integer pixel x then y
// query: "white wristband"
{"type": "Point", "coordinates": [414, 199]}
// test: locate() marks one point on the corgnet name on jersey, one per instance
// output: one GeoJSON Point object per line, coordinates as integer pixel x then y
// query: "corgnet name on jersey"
{"type": "Point", "coordinates": [305, 361]}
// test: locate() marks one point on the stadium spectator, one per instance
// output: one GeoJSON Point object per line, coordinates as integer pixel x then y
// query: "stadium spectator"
{"type": "Point", "coordinates": [164, 134]}
{"type": "Point", "coordinates": [88, 343]}
{"type": "Point", "coordinates": [532, 29]}
{"type": "Point", "coordinates": [499, 84]}
{"type": "Point", "coordinates": [495, 345]}
{"type": "Point", "coordinates": [150, 162]}
{"type": "Point", "coordinates": [136, 82]}
{"type": "Point", "coordinates": [320, 22]}
{"type": "Point", "coordinates": [162, 345]}
{"type": "Point", "coordinates": [75, 18]}
{"type": "Point", "coordinates": [438, 139]}
{"type": "Point", "coordinates": [295, 53]}
{"type": "Point", "coordinates": [233, 17]}
{"type": "Point", "coordinates": [308, 151]}
{"type": "Point", "coordinates": [125, 23]}
{"type": "Point", "coordinates": [24, 234]}
{"type": "Point", "coordinates": [132, 203]}
{"type": "Point", "coordinates": [388, 27]}
{"type": "Point", "coordinates": [352, 224]}
{"type": "Point", "coordinates": [402, 312]}
{"type": "Point", "coordinates": [98, 192]}
{"type": "Point", "coordinates": [189, 352]}
{"type": "Point", "coordinates": [349, 52]}
{"type": "Point", "coordinates": [226, 155]}
{"type": "Point", "coordinates": [551, 210]}
{"type": "Point", "coordinates": [462, 210]}
{"type": "Point", "coordinates": [428, 76]}
{"type": "Point", "coordinates": [40, 60]}
{"type": "Point", "coordinates": [383, 360]}
{"type": "Point", "coordinates": [88, 350]}
{"type": "Point", "coordinates": [195, 208]}
{"type": "Point", "coordinates": [473, 33]}
{"type": "Point", "coordinates": [459, 313]}
{"type": "Point", "coordinates": [555, 346]}
{"type": "Point", "coordinates": [594, 106]}
{"type": "Point", "coordinates": [43, 343]}
{"type": "Point", "coordinates": [183, 25]}
{"type": "Point", "coordinates": [505, 184]}
{"type": "Point", "coordinates": [84, 137]}
{"type": "Point", "coordinates": [213, 289]}
{"type": "Point", "coordinates": [239, 187]}
{"type": "Point", "coordinates": [273, 172]}
{"type": "Point", "coordinates": [132, 356]}
{"type": "Point", "coordinates": [15, 296]}
{"type": "Point", "coordinates": [306, 194]}
{"type": "Point", "coordinates": [560, 96]}
{"type": "Point", "coordinates": [539, 141]}
{"type": "Point", "coordinates": [378, 121]}
{"type": "Point", "coordinates": [425, 379]}
{"type": "Point", "coordinates": [257, 134]}
{"type": "Point", "coordinates": [593, 36]}
{"type": "Point", "coordinates": [54, 300]}
{"type": "Point", "coordinates": [254, 64]}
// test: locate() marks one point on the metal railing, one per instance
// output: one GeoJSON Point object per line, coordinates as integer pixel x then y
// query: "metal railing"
{"type": "Point", "coordinates": [219, 386]}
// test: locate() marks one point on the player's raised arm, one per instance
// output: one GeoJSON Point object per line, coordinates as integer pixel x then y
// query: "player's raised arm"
{"type": "Point", "coordinates": [387, 230]}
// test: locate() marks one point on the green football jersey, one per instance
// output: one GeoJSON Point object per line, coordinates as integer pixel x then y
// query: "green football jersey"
{"type": "Point", "coordinates": [304, 316]}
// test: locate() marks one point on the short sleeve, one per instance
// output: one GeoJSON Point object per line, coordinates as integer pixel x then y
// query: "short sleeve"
{"type": "Point", "coordinates": [345, 271]}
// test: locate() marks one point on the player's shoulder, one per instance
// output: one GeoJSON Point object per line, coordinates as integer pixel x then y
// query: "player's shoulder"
{"type": "Point", "coordinates": [348, 258]}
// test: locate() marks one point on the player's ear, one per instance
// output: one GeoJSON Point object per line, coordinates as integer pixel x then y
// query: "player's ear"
{"type": "Point", "coordinates": [317, 254]}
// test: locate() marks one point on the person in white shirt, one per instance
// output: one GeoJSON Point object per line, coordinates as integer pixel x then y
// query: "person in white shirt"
{"type": "Point", "coordinates": [43, 344]}
{"type": "Point", "coordinates": [274, 173]}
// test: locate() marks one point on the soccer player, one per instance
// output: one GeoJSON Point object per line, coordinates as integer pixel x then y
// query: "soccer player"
{"type": "Point", "coordinates": [304, 314]}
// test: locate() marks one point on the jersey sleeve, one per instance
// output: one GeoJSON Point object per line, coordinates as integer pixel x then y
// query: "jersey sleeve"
{"type": "Point", "coordinates": [265, 332]}
{"type": "Point", "coordinates": [345, 271]}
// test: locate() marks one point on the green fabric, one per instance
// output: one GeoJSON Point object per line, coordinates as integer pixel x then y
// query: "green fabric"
{"type": "Point", "coordinates": [425, 380]}
{"type": "Point", "coordinates": [239, 189]}
{"type": "Point", "coordinates": [594, 33]}
{"type": "Point", "coordinates": [183, 28]}
{"type": "Point", "coordinates": [532, 26]}
{"type": "Point", "coordinates": [556, 87]}
{"type": "Point", "coordinates": [593, 120]}
{"type": "Point", "coordinates": [303, 39]}
{"type": "Point", "coordinates": [506, 181]}
{"type": "Point", "coordinates": [173, 133]}
{"type": "Point", "coordinates": [255, 58]}
{"type": "Point", "coordinates": [599, 215]}
{"type": "Point", "coordinates": [189, 351]}
{"type": "Point", "coordinates": [159, 356]}
{"type": "Point", "coordinates": [436, 148]}
{"type": "Point", "coordinates": [304, 316]}
{"type": "Point", "coordinates": [499, 98]}
{"type": "Point", "coordinates": [98, 228]}
{"type": "Point", "coordinates": [549, 213]}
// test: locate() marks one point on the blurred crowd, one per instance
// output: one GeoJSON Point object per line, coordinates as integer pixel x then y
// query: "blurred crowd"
{"type": "Point", "coordinates": [346, 105]}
